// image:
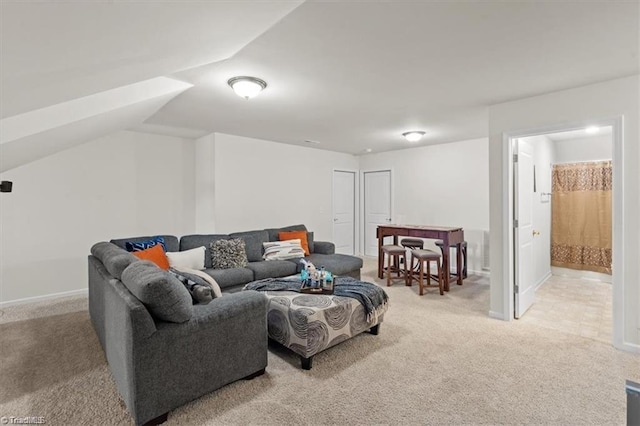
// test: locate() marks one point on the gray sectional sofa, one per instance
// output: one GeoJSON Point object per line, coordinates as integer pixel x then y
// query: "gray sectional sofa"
{"type": "Point", "coordinates": [163, 351]}
{"type": "Point", "coordinates": [232, 280]}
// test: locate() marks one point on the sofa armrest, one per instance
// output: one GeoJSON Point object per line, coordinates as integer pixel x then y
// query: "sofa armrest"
{"type": "Point", "coordinates": [243, 306]}
{"type": "Point", "coordinates": [324, 247]}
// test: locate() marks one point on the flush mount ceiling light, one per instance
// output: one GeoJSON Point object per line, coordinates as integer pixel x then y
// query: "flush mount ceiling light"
{"type": "Point", "coordinates": [247, 87]}
{"type": "Point", "coordinates": [592, 130]}
{"type": "Point", "coordinates": [413, 136]}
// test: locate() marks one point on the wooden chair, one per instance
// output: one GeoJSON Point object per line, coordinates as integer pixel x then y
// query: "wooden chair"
{"type": "Point", "coordinates": [426, 257]}
{"type": "Point", "coordinates": [412, 243]}
{"type": "Point", "coordinates": [392, 255]}
{"type": "Point", "coordinates": [463, 246]}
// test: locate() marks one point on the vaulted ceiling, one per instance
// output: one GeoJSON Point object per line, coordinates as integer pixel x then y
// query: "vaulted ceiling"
{"type": "Point", "coordinates": [351, 75]}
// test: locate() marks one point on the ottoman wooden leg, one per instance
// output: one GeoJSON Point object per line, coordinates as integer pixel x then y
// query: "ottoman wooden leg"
{"type": "Point", "coordinates": [375, 329]}
{"type": "Point", "coordinates": [307, 363]}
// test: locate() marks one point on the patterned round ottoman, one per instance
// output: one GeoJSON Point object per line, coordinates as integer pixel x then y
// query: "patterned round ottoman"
{"type": "Point", "coordinates": [310, 323]}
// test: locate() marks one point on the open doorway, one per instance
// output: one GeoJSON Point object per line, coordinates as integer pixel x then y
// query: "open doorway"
{"type": "Point", "coordinates": [565, 290]}
{"type": "Point", "coordinates": [563, 233]}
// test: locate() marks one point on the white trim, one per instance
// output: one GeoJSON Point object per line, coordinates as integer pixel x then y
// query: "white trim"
{"type": "Point", "coordinates": [617, 124]}
{"type": "Point", "coordinates": [497, 315]}
{"type": "Point", "coordinates": [355, 205]}
{"type": "Point", "coordinates": [543, 280]}
{"type": "Point", "coordinates": [481, 273]}
{"type": "Point", "coordinates": [46, 297]}
{"type": "Point", "coordinates": [629, 347]}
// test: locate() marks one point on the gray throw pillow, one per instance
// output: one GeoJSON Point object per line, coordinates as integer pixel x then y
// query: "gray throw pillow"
{"type": "Point", "coordinates": [227, 254]}
{"type": "Point", "coordinates": [164, 296]}
{"type": "Point", "coordinates": [200, 290]}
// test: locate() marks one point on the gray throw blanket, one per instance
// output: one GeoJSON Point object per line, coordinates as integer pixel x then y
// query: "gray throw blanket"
{"type": "Point", "coordinates": [373, 298]}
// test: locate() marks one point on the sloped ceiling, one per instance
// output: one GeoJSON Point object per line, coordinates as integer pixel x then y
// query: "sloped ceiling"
{"type": "Point", "coordinates": [36, 134]}
{"type": "Point", "coordinates": [349, 74]}
{"type": "Point", "coordinates": [54, 53]}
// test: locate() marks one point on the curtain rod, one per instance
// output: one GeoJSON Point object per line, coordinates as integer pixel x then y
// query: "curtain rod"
{"type": "Point", "coordinates": [585, 161]}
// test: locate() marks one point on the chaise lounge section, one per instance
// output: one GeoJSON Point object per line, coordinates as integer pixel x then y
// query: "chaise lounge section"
{"type": "Point", "coordinates": [158, 364]}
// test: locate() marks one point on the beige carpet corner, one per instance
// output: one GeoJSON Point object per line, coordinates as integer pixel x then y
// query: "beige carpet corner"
{"type": "Point", "coordinates": [437, 360]}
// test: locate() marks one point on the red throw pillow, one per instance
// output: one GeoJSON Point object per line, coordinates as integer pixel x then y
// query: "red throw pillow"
{"type": "Point", "coordinates": [154, 254]}
{"type": "Point", "coordinates": [296, 235]}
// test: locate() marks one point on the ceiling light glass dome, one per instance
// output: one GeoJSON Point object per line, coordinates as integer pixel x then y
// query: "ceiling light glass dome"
{"type": "Point", "coordinates": [247, 87]}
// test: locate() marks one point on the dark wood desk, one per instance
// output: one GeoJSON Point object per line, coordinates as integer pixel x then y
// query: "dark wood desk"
{"type": "Point", "coordinates": [449, 236]}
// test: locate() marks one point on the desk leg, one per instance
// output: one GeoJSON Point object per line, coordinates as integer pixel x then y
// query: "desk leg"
{"type": "Point", "coordinates": [445, 263]}
{"type": "Point", "coordinates": [380, 259]}
{"type": "Point", "coordinates": [459, 263]}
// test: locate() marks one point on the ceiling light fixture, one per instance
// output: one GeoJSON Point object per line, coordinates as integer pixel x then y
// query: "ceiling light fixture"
{"type": "Point", "coordinates": [592, 130]}
{"type": "Point", "coordinates": [413, 136]}
{"type": "Point", "coordinates": [247, 87]}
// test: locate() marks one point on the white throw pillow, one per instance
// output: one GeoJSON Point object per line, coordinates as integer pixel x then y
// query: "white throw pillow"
{"type": "Point", "coordinates": [193, 259]}
{"type": "Point", "coordinates": [282, 250]}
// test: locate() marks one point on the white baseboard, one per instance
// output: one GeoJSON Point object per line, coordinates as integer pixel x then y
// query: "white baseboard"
{"type": "Point", "coordinates": [82, 291]}
{"type": "Point", "coordinates": [628, 347]}
{"type": "Point", "coordinates": [498, 315]}
{"type": "Point", "coordinates": [481, 273]}
{"type": "Point", "coordinates": [543, 280]}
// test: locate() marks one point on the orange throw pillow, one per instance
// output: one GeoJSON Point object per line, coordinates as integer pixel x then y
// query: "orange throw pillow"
{"type": "Point", "coordinates": [154, 254]}
{"type": "Point", "coordinates": [296, 235]}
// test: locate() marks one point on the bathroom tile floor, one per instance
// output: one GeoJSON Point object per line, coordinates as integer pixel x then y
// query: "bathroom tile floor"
{"type": "Point", "coordinates": [575, 306]}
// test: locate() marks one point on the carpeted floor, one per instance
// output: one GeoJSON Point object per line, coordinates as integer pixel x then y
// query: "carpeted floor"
{"type": "Point", "coordinates": [437, 360]}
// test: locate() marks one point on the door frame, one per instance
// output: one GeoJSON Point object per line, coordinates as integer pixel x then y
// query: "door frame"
{"type": "Point", "coordinates": [618, 226]}
{"type": "Point", "coordinates": [356, 212]}
{"type": "Point", "coordinates": [363, 201]}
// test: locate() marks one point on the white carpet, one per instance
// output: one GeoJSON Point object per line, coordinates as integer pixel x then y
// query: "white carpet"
{"type": "Point", "coordinates": [437, 360]}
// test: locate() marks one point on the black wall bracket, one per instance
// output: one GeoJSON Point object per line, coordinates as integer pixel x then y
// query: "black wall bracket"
{"type": "Point", "coordinates": [6, 186]}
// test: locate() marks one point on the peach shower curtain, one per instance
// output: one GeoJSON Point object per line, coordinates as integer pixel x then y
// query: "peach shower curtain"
{"type": "Point", "coordinates": [581, 216]}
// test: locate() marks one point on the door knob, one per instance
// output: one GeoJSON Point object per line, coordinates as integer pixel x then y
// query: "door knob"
{"type": "Point", "coordinates": [536, 232]}
{"type": "Point", "coordinates": [388, 219]}
{"type": "Point", "coordinates": [335, 219]}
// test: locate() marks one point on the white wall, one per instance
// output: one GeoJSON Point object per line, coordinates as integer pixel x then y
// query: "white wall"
{"type": "Point", "coordinates": [543, 157]}
{"type": "Point", "coordinates": [598, 147]}
{"type": "Point", "coordinates": [262, 184]}
{"type": "Point", "coordinates": [124, 184]}
{"type": "Point", "coordinates": [205, 178]}
{"type": "Point", "coordinates": [579, 106]}
{"type": "Point", "coordinates": [446, 185]}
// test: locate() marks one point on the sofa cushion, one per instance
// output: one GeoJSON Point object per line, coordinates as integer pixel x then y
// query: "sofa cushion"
{"type": "Point", "coordinates": [155, 254]}
{"type": "Point", "coordinates": [114, 258]}
{"type": "Point", "coordinates": [228, 254]}
{"type": "Point", "coordinates": [337, 264]}
{"type": "Point", "coordinates": [231, 277]}
{"type": "Point", "coordinates": [273, 232]}
{"type": "Point", "coordinates": [296, 235]}
{"type": "Point", "coordinates": [272, 269]}
{"type": "Point", "coordinates": [192, 258]}
{"type": "Point", "coordinates": [163, 295]}
{"type": "Point", "coordinates": [253, 243]}
{"type": "Point", "coordinates": [192, 241]}
{"type": "Point", "coordinates": [170, 241]}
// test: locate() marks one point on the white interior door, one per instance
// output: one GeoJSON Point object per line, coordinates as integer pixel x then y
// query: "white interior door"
{"type": "Point", "coordinates": [377, 207]}
{"type": "Point", "coordinates": [523, 227]}
{"type": "Point", "coordinates": [344, 201]}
